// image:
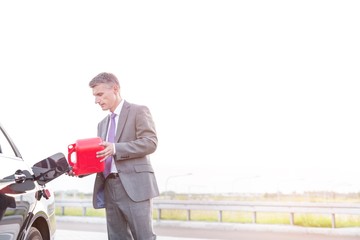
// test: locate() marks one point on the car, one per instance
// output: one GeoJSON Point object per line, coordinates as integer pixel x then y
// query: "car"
{"type": "Point", "coordinates": [27, 206]}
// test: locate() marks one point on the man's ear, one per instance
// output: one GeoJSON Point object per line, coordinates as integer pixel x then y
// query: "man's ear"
{"type": "Point", "coordinates": [116, 88]}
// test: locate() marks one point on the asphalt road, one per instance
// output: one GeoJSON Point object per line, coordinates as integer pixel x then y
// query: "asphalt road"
{"type": "Point", "coordinates": [207, 232]}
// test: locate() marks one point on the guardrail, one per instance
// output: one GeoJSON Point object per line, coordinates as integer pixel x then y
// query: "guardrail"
{"type": "Point", "coordinates": [291, 208]}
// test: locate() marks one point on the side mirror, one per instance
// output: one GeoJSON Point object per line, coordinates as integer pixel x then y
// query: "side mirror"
{"type": "Point", "coordinates": [50, 168]}
{"type": "Point", "coordinates": [6, 201]}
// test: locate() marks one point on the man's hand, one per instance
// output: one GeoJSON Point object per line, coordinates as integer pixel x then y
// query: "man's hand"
{"type": "Point", "coordinates": [70, 173]}
{"type": "Point", "coordinates": [108, 151]}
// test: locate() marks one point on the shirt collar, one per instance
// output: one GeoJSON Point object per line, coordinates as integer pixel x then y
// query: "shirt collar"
{"type": "Point", "coordinates": [118, 108]}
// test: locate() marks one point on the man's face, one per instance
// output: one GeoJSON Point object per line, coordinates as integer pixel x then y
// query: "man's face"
{"type": "Point", "coordinates": [106, 96]}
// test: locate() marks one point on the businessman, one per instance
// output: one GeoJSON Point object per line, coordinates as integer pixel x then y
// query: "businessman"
{"type": "Point", "coordinates": [128, 184]}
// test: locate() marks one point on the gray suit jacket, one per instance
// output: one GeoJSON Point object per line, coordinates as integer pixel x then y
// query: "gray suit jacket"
{"type": "Point", "coordinates": [135, 140]}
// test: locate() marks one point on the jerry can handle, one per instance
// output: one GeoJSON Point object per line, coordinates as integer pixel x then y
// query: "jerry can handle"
{"type": "Point", "coordinates": [71, 149]}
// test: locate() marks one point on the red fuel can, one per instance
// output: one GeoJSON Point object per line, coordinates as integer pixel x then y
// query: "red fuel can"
{"type": "Point", "coordinates": [86, 161]}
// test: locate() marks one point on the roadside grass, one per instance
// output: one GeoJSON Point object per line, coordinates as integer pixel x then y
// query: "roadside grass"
{"type": "Point", "coordinates": [315, 220]}
{"type": "Point", "coordinates": [78, 211]}
{"type": "Point", "coordinates": [273, 218]}
{"type": "Point", "coordinates": [305, 220]}
{"type": "Point", "coordinates": [347, 221]}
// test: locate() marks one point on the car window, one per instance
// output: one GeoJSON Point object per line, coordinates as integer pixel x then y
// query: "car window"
{"type": "Point", "coordinates": [5, 146]}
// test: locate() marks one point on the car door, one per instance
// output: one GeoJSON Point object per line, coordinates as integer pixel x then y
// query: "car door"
{"type": "Point", "coordinates": [16, 193]}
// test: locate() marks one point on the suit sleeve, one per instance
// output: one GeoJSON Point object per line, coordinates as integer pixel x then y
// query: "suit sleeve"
{"type": "Point", "coordinates": [138, 138]}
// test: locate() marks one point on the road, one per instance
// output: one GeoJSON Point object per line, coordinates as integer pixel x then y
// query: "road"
{"type": "Point", "coordinates": [172, 231]}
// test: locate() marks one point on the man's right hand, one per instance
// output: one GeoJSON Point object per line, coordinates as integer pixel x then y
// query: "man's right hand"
{"type": "Point", "coordinates": [70, 173]}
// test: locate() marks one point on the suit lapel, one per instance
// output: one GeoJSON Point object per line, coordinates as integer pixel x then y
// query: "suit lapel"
{"type": "Point", "coordinates": [104, 126]}
{"type": "Point", "coordinates": [122, 120]}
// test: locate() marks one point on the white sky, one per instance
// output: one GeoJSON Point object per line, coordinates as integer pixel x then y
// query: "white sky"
{"type": "Point", "coordinates": [246, 95]}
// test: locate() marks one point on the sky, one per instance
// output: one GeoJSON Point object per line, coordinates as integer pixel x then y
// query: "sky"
{"type": "Point", "coordinates": [247, 96]}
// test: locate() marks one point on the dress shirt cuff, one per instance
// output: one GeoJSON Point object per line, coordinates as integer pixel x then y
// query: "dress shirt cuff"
{"type": "Point", "coordinates": [114, 151]}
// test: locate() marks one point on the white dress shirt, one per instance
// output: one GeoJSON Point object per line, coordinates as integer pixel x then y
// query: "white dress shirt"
{"type": "Point", "coordinates": [117, 112]}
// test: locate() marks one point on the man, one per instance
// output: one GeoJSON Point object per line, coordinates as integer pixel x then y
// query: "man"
{"type": "Point", "coordinates": [126, 191]}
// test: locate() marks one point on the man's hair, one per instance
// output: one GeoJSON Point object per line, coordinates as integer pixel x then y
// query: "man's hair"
{"type": "Point", "coordinates": [104, 77]}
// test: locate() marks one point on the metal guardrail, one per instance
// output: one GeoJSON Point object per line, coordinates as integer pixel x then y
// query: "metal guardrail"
{"type": "Point", "coordinates": [291, 208]}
